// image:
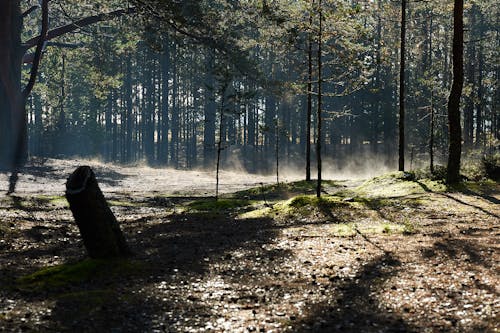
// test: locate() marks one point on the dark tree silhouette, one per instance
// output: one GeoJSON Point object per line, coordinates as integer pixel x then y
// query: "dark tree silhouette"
{"type": "Point", "coordinates": [455, 144]}
{"type": "Point", "coordinates": [13, 131]}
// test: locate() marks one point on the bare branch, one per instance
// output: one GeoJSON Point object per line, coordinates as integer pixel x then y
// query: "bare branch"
{"type": "Point", "coordinates": [30, 10]}
{"type": "Point", "coordinates": [39, 49]}
{"type": "Point", "coordinates": [79, 24]}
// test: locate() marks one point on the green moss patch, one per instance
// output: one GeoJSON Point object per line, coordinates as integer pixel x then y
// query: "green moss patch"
{"type": "Point", "coordinates": [309, 206]}
{"type": "Point", "coordinates": [398, 184]}
{"type": "Point", "coordinates": [311, 200]}
{"type": "Point", "coordinates": [124, 203]}
{"type": "Point", "coordinates": [351, 229]}
{"type": "Point", "coordinates": [283, 190]}
{"type": "Point", "coordinates": [56, 200]}
{"type": "Point", "coordinates": [76, 273]}
{"type": "Point", "coordinates": [256, 213]}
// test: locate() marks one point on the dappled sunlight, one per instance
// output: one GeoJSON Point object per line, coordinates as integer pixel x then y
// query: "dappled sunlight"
{"type": "Point", "coordinates": [268, 257]}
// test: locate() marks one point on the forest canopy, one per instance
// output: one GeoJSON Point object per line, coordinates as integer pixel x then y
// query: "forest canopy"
{"type": "Point", "coordinates": [149, 84]}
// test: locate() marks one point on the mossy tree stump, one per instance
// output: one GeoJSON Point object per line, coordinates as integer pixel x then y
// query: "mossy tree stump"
{"type": "Point", "coordinates": [98, 226]}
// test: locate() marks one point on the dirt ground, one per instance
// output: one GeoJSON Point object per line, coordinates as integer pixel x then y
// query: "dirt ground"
{"type": "Point", "coordinates": [49, 176]}
{"type": "Point", "coordinates": [422, 261]}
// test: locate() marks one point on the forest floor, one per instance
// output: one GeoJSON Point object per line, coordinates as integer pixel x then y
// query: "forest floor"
{"type": "Point", "coordinates": [390, 254]}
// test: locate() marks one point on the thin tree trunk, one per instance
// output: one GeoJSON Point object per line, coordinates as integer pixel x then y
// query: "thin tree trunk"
{"type": "Point", "coordinates": [210, 111]}
{"type": "Point", "coordinates": [402, 88]}
{"type": "Point", "coordinates": [129, 106]}
{"type": "Point", "coordinates": [165, 68]}
{"type": "Point", "coordinates": [319, 134]}
{"type": "Point", "coordinates": [219, 144]}
{"type": "Point", "coordinates": [455, 144]}
{"type": "Point", "coordinates": [431, 136]}
{"type": "Point", "coordinates": [309, 100]}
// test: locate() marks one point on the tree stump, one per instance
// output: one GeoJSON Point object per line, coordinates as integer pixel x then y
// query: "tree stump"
{"type": "Point", "coordinates": [98, 226]}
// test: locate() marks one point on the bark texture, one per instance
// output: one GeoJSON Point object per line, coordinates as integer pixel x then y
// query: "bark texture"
{"type": "Point", "coordinates": [98, 226]}
{"type": "Point", "coordinates": [401, 161]}
{"type": "Point", "coordinates": [11, 106]}
{"type": "Point", "coordinates": [455, 145]}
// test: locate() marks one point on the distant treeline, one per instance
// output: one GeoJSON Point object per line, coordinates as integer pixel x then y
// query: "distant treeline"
{"type": "Point", "coordinates": [127, 94]}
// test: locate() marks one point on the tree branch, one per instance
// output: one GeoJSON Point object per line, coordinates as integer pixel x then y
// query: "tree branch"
{"type": "Point", "coordinates": [78, 24]}
{"type": "Point", "coordinates": [30, 10]}
{"type": "Point", "coordinates": [39, 49]}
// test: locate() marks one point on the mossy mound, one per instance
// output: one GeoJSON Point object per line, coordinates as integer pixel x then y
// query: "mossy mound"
{"type": "Point", "coordinates": [398, 184]}
{"type": "Point", "coordinates": [283, 190]}
{"type": "Point", "coordinates": [72, 274]}
{"type": "Point", "coordinates": [310, 206]}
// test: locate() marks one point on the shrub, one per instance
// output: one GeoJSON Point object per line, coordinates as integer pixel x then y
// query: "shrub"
{"type": "Point", "coordinates": [491, 166]}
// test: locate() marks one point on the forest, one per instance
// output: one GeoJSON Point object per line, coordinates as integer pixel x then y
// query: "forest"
{"type": "Point", "coordinates": [249, 165]}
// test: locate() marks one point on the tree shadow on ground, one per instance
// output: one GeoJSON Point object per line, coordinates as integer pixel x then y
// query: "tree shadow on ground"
{"type": "Point", "coordinates": [108, 176]}
{"type": "Point", "coordinates": [465, 192]}
{"type": "Point", "coordinates": [461, 249]}
{"type": "Point", "coordinates": [386, 207]}
{"type": "Point", "coordinates": [484, 195]}
{"type": "Point", "coordinates": [36, 170]}
{"type": "Point", "coordinates": [354, 308]}
{"type": "Point", "coordinates": [173, 254]}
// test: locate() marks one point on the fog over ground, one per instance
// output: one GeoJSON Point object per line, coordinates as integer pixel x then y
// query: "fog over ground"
{"type": "Point", "coordinates": [49, 176]}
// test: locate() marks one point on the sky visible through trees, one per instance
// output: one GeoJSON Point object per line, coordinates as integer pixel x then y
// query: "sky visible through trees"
{"type": "Point", "coordinates": [240, 165]}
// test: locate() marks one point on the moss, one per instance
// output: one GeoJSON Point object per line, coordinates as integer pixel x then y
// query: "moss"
{"type": "Point", "coordinates": [56, 200]}
{"type": "Point", "coordinates": [383, 228]}
{"type": "Point", "coordinates": [76, 273]}
{"type": "Point", "coordinates": [256, 213]}
{"type": "Point", "coordinates": [283, 190]}
{"type": "Point", "coordinates": [409, 227]}
{"type": "Point", "coordinates": [343, 230]}
{"type": "Point", "coordinates": [309, 206]}
{"type": "Point", "coordinates": [124, 203]}
{"type": "Point", "coordinates": [398, 184]}
{"type": "Point", "coordinates": [311, 200]}
{"type": "Point", "coordinates": [37, 202]}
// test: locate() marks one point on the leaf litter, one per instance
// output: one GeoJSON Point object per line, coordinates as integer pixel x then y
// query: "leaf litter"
{"type": "Point", "coordinates": [200, 269]}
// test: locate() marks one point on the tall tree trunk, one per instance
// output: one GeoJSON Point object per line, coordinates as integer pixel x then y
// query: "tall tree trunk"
{"type": "Point", "coordinates": [319, 133]}
{"type": "Point", "coordinates": [11, 101]}
{"type": "Point", "coordinates": [479, 107]}
{"type": "Point", "coordinates": [108, 128]}
{"type": "Point", "coordinates": [468, 130]}
{"type": "Point", "coordinates": [309, 99]}
{"type": "Point", "coordinates": [128, 111]}
{"type": "Point", "coordinates": [174, 141]}
{"type": "Point", "coordinates": [455, 144]}
{"type": "Point", "coordinates": [209, 112]}
{"type": "Point", "coordinates": [402, 88]}
{"type": "Point", "coordinates": [165, 68]}
{"type": "Point", "coordinates": [38, 145]}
